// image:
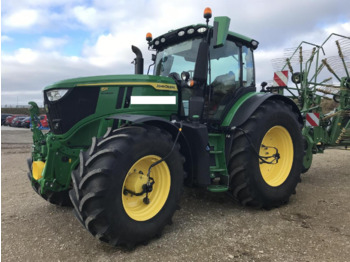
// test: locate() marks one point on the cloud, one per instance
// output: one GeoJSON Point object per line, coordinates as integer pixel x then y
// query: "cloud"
{"type": "Point", "coordinates": [47, 68]}
{"type": "Point", "coordinates": [113, 26]}
{"type": "Point", "coordinates": [263, 67]}
{"type": "Point", "coordinates": [38, 15]}
{"type": "Point", "coordinates": [86, 15]}
{"type": "Point", "coordinates": [21, 19]}
{"type": "Point", "coordinates": [339, 28]}
{"type": "Point", "coordinates": [5, 38]}
{"type": "Point", "coordinates": [52, 42]}
{"type": "Point", "coordinates": [21, 56]}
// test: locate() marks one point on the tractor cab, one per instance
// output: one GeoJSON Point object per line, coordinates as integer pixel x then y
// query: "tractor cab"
{"type": "Point", "coordinates": [217, 75]}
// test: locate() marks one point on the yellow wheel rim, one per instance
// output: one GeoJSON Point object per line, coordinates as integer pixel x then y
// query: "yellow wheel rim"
{"type": "Point", "coordinates": [275, 174]}
{"type": "Point", "coordinates": [136, 178]}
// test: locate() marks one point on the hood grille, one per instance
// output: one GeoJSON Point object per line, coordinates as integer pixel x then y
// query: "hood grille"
{"type": "Point", "coordinates": [77, 104]}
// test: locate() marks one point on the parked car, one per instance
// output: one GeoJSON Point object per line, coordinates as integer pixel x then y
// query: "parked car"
{"type": "Point", "coordinates": [25, 122]}
{"type": "Point", "coordinates": [9, 120]}
{"type": "Point", "coordinates": [3, 118]}
{"type": "Point", "coordinates": [16, 122]}
{"type": "Point", "coordinates": [43, 120]}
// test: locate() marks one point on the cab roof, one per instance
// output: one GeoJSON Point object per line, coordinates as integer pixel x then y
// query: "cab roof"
{"type": "Point", "coordinates": [173, 37]}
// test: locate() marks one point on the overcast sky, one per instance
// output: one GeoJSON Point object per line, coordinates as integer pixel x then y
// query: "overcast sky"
{"type": "Point", "coordinates": [44, 41]}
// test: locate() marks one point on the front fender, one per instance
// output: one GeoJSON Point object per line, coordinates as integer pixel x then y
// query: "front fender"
{"type": "Point", "coordinates": [163, 124]}
{"type": "Point", "coordinates": [193, 141]}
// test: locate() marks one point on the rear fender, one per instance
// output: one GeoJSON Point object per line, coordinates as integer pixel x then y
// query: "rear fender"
{"type": "Point", "coordinates": [248, 107]}
{"type": "Point", "coordinates": [252, 103]}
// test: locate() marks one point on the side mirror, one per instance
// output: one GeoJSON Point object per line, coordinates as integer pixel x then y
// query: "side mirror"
{"type": "Point", "coordinates": [185, 76]}
{"type": "Point", "coordinates": [201, 68]}
{"type": "Point", "coordinates": [263, 84]}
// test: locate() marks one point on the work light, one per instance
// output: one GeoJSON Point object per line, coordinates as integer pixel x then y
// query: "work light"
{"type": "Point", "coordinates": [201, 30]}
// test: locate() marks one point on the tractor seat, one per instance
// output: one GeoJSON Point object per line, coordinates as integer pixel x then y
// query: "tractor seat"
{"type": "Point", "coordinates": [224, 83]}
{"type": "Point", "coordinates": [223, 89]}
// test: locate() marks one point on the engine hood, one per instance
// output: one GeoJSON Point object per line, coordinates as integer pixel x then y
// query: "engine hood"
{"type": "Point", "coordinates": [158, 82]}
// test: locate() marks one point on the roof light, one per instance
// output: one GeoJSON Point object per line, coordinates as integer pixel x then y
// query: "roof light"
{"type": "Point", "coordinates": [190, 31]}
{"type": "Point", "coordinates": [207, 13]}
{"type": "Point", "coordinates": [181, 33]}
{"type": "Point", "coordinates": [156, 42]}
{"type": "Point", "coordinates": [149, 37]}
{"type": "Point", "coordinates": [254, 43]}
{"type": "Point", "coordinates": [201, 30]}
{"type": "Point", "coordinates": [162, 40]}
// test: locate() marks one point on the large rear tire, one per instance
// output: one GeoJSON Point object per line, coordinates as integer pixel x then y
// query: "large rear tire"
{"type": "Point", "coordinates": [272, 130]}
{"type": "Point", "coordinates": [112, 170]}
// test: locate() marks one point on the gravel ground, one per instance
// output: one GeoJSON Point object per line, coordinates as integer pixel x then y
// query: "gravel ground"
{"type": "Point", "coordinates": [314, 226]}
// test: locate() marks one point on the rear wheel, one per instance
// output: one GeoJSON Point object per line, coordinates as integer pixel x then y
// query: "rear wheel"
{"type": "Point", "coordinates": [112, 195]}
{"type": "Point", "coordinates": [267, 156]}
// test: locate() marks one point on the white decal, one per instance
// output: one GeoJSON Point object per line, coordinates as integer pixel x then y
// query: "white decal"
{"type": "Point", "coordinates": [153, 100]}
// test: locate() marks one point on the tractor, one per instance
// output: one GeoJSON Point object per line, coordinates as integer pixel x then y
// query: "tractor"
{"type": "Point", "coordinates": [121, 147]}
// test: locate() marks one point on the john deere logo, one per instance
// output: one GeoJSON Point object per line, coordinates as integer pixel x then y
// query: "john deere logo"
{"type": "Point", "coordinates": [103, 89]}
{"type": "Point", "coordinates": [166, 87]}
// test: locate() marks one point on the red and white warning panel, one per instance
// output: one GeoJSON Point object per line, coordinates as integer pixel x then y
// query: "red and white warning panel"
{"type": "Point", "coordinates": [312, 119]}
{"type": "Point", "coordinates": [280, 78]}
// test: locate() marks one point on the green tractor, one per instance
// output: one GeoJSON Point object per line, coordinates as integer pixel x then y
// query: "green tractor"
{"type": "Point", "coordinates": [121, 147]}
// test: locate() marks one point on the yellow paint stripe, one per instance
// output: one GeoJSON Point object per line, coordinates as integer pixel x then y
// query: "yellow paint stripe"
{"type": "Point", "coordinates": [158, 86]}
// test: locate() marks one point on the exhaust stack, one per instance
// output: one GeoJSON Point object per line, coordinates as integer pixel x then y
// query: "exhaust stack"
{"type": "Point", "coordinates": [138, 61]}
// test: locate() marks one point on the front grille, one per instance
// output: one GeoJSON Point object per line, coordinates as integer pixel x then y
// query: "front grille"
{"type": "Point", "coordinates": [77, 104]}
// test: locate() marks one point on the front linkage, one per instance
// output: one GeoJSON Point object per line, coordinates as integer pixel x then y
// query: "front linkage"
{"type": "Point", "coordinates": [49, 176]}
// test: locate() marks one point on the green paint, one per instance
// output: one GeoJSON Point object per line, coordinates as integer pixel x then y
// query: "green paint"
{"type": "Point", "coordinates": [228, 119]}
{"type": "Point", "coordinates": [217, 142]}
{"type": "Point", "coordinates": [60, 152]}
{"type": "Point", "coordinates": [223, 25]}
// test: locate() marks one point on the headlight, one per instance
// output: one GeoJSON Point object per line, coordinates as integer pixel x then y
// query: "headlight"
{"type": "Point", "coordinates": [56, 94]}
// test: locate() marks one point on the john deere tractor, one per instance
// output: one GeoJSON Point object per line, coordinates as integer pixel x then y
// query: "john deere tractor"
{"type": "Point", "coordinates": [121, 147]}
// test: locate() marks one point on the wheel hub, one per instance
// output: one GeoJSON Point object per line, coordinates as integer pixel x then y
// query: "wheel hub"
{"type": "Point", "coordinates": [277, 143]}
{"type": "Point", "coordinates": [144, 196]}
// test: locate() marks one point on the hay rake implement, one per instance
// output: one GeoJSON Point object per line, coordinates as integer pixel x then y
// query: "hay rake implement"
{"type": "Point", "coordinates": [307, 64]}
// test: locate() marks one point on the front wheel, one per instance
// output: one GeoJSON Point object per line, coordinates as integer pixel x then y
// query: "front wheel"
{"type": "Point", "coordinates": [112, 194]}
{"type": "Point", "coordinates": [267, 156]}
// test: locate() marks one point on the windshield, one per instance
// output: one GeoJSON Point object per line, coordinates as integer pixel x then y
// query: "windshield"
{"type": "Point", "coordinates": [177, 58]}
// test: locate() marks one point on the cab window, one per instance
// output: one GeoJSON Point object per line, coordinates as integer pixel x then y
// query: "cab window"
{"type": "Point", "coordinates": [225, 77]}
{"type": "Point", "coordinates": [248, 67]}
